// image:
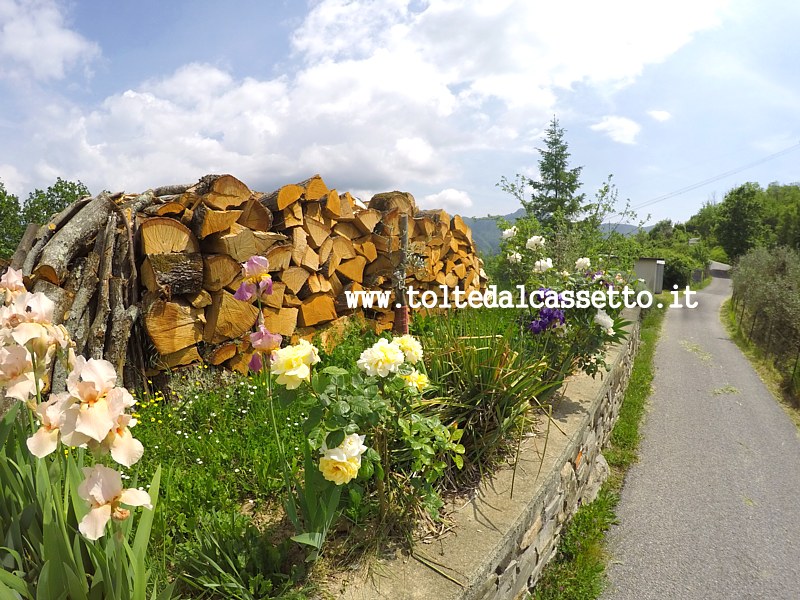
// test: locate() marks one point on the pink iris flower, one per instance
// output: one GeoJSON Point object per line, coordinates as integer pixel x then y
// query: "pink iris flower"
{"type": "Point", "coordinates": [257, 282]}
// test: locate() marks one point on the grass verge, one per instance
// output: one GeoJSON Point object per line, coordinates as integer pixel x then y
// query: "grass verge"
{"type": "Point", "coordinates": [577, 570]}
{"type": "Point", "coordinates": [762, 363]}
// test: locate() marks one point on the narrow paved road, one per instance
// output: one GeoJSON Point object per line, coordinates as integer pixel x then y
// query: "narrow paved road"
{"type": "Point", "coordinates": [712, 509]}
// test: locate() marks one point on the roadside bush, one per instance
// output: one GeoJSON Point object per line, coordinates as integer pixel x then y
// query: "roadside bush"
{"type": "Point", "coordinates": [678, 268]}
{"type": "Point", "coordinates": [719, 255]}
{"type": "Point", "coordinates": [767, 281]}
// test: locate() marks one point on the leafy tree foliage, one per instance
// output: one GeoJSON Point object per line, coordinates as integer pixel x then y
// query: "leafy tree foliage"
{"type": "Point", "coordinates": [41, 205]}
{"type": "Point", "coordinates": [741, 225]}
{"type": "Point", "coordinates": [10, 225]}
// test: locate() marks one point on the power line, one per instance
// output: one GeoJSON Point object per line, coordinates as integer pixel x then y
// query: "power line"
{"type": "Point", "coordinates": [694, 186]}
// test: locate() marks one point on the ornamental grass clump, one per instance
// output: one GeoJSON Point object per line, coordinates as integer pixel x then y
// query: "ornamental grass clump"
{"type": "Point", "coordinates": [56, 506]}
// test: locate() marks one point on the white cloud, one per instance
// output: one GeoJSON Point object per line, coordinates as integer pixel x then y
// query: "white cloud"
{"type": "Point", "coordinates": [387, 95]}
{"type": "Point", "coordinates": [619, 129]}
{"type": "Point", "coordinates": [659, 115]}
{"type": "Point", "coordinates": [13, 181]}
{"type": "Point", "coordinates": [36, 42]}
{"type": "Point", "coordinates": [450, 199]}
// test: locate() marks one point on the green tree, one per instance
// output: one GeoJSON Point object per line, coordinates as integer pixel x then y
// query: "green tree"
{"type": "Point", "coordinates": [740, 225]}
{"type": "Point", "coordinates": [41, 205]}
{"type": "Point", "coordinates": [10, 222]}
{"type": "Point", "coordinates": [704, 222]}
{"type": "Point", "coordinates": [554, 200]}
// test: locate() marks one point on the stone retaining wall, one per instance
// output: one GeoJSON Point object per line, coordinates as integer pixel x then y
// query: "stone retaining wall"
{"type": "Point", "coordinates": [501, 543]}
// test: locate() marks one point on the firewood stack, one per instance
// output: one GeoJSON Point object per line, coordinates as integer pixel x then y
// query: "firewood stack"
{"type": "Point", "coordinates": [170, 260]}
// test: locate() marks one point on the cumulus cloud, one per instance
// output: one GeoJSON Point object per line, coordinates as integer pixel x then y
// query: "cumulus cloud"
{"type": "Point", "coordinates": [395, 103]}
{"type": "Point", "coordinates": [619, 129]}
{"type": "Point", "coordinates": [36, 42]}
{"type": "Point", "coordinates": [660, 115]}
{"type": "Point", "coordinates": [449, 199]}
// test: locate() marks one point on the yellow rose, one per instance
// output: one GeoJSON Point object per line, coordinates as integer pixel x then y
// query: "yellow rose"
{"type": "Point", "coordinates": [416, 380]}
{"type": "Point", "coordinates": [339, 471]}
{"type": "Point", "coordinates": [381, 359]}
{"type": "Point", "coordinates": [292, 364]}
{"type": "Point", "coordinates": [410, 347]}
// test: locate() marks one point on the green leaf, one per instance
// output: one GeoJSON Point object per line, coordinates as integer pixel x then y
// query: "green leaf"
{"type": "Point", "coordinates": [334, 438]}
{"type": "Point", "coordinates": [12, 583]}
{"type": "Point", "coordinates": [336, 371]}
{"type": "Point", "coordinates": [314, 540]}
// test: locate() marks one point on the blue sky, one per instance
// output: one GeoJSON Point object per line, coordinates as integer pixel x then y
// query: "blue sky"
{"type": "Point", "coordinates": [439, 98]}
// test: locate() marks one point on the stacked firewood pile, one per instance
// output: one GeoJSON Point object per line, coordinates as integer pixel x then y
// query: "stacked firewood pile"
{"type": "Point", "coordinates": [168, 261]}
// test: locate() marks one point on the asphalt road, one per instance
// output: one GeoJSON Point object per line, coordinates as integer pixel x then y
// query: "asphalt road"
{"type": "Point", "coordinates": [712, 508]}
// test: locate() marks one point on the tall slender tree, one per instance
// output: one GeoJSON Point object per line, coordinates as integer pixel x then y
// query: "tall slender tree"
{"type": "Point", "coordinates": [553, 200]}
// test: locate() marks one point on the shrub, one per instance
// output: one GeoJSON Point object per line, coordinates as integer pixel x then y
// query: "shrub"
{"type": "Point", "coordinates": [678, 268]}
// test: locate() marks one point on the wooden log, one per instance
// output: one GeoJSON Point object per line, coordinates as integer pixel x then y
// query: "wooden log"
{"type": "Point", "coordinates": [348, 230]}
{"type": "Point", "coordinates": [317, 308]}
{"type": "Point", "coordinates": [225, 191]}
{"type": "Point", "coordinates": [275, 299]}
{"type": "Point", "coordinates": [279, 257]}
{"type": "Point", "coordinates": [97, 333]}
{"type": "Point", "coordinates": [219, 270]}
{"type": "Point", "coordinates": [343, 248]}
{"type": "Point", "coordinates": [314, 188]}
{"type": "Point", "coordinates": [122, 324]}
{"type": "Point", "coordinates": [317, 232]}
{"type": "Point", "coordinates": [283, 197]}
{"type": "Point", "coordinates": [264, 240]}
{"type": "Point", "coordinates": [280, 320]}
{"type": "Point", "coordinates": [72, 239]}
{"type": "Point", "coordinates": [237, 241]}
{"type": "Point", "coordinates": [206, 221]}
{"type": "Point", "coordinates": [332, 205]}
{"type": "Point", "coordinates": [216, 355]}
{"type": "Point", "coordinates": [199, 299]}
{"type": "Point", "coordinates": [172, 324]}
{"type": "Point", "coordinates": [255, 215]}
{"type": "Point", "coordinates": [294, 278]}
{"type": "Point", "coordinates": [340, 303]}
{"type": "Point", "coordinates": [460, 229]}
{"type": "Point", "coordinates": [172, 209]}
{"type": "Point", "coordinates": [366, 220]}
{"type": "Point", "coordinates": [353, 269]}
{"type": "Point", "coordinates": [424, 228]}
{"type": "Point", "coordinates": [291, 216]}
{"type": "Point", "coordinates": [24, 246]}
{"type": "Point", "coordinates": [174, 273]}
{"type": "Point", "coordinates": [299, 244]}
{"type": "Point", "coordinates": [162, 235]}
{"type": "Point", "coordinates": [240, 362]}
{"type": "Point", "coordinates": [48, 230]}
{"type": "Point", "coordinates": [366, 248]}
{"type": "Point", "coordinates": [60, 297]}
{"type": "Point", "coordinates": [346, 207]}
{"type": "Point", "coordinates": [387, 201]}
{"type": "Point", "coordinates": [227, 318]}
{"type": "Point", "coordinates": [324, 251]}
{"type": "Point", "coordinates": [181, 358]}
{"type": "Point", "coordinates": [310, 261]}
{"type": "Point", "coordinates": [171, 190]}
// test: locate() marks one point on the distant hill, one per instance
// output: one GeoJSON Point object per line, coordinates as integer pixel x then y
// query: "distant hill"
{"type": "Point", "coordinates": [486, 233]}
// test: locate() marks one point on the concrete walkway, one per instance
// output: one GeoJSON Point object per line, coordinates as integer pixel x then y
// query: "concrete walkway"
{"type": "Point", "coordinates": [712, 509]}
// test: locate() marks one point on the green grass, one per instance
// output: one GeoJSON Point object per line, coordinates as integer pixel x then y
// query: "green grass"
{"type": "Point", "coordinates": [577, 571]}
{"type": "Point", "coordinates": [787, 393]}
{"type": "Point", "coordinates": [212, 435]}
